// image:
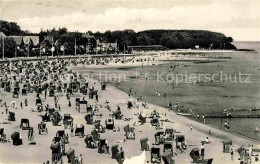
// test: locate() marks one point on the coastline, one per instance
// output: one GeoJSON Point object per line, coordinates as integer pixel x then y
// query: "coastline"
{"type": "Point", "coordinates": [139, 65]}
{"type": "Point", "coordinates": [113, 55]}
{"type": "Point", "coordinates": [199, 130]}
{"type": "Point", "coordinates": [116, 97]}
{"type": "Point", "coordinates": [193, 120]}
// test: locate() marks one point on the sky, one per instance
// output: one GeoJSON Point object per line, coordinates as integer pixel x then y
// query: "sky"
{"type": "Point", "coordinates": [239, 19]}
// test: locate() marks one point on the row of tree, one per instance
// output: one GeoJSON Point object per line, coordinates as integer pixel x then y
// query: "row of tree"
{"type": "Point", "coordinates": [171, 39]}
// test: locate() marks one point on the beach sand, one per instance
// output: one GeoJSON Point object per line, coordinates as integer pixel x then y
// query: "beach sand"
{"type": "Point", "coordinates": [41, 152]}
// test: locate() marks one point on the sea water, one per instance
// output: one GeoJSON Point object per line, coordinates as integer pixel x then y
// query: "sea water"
{"type": "Point", "coordinates": [203, 98]}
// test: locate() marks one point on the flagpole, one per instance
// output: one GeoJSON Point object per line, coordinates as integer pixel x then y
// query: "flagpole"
{"type": "Point", "coordinates": [86, 49]}
{"type": "Point", "coordinates": [116, 47]}
{"type": "Point", "coordinates": [3, 56]}
{"type": "Point", "coordinates": [75, 47]}
{"type": "Point", "coordinates": [28, 49]}
{"type": "Point", "coordinates": [40, 50]}
{"type": "Point", "coordinates": [52, 48]}
{"type": "Point", "coordinates": [15, 51]}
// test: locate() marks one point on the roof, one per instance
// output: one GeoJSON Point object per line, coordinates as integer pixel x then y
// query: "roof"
{"type": "Point", "coordinates": [18, 39]}
{"type": "Point", "coordinates": [107, 45]}
{"type": "Point", "coordinates": [35, 40]}
{"type": "Point", "coordinates": [26, 40]}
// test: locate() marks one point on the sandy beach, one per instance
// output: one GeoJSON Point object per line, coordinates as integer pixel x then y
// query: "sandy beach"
{"type": "Point", "coordinates": [41, 152]}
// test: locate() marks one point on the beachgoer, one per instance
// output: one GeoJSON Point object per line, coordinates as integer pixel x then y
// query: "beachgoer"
{"type": "Point", "coordinates": [26, 102]}
{"type": "Point", "coordinates": [198, 117]}
{"type": "Point", "coordinates": [207, 140]}
{"type": "Point", "coordinates": [202, 151]}
{"type": "Point", "coordinates": [191, 127]}
{"type": "Point", "coordinates": [170, 105]}
{"type": "Point", "coordinates": [80, 159]}
{"type": "Point", "coordinates": [45, 93]}
{"type": "Point", "coordinates": [72, 132]}
{"type": "Point", "coordinates": [97, 98]}
{"type": "Point", "coordinates": [232, 153]}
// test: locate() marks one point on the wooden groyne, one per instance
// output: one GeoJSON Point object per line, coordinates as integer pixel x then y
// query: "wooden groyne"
{"type": "Point", "coordinates": [235, 116]}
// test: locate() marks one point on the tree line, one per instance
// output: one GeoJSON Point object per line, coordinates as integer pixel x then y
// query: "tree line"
{"type": "Point", "coordinates": [171, 39]}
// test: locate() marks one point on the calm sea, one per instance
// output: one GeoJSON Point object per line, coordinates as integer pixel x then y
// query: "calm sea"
{"type": "Point", "coordinates": [207, 98]}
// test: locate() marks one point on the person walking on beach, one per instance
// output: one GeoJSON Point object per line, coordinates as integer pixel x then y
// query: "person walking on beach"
{"type": "Point", "coordinates": [26, 102]}
{"type": "Point", "coordinates": [97, 98]}
{"type": "Point", "coordinates": [6, 109]}
{"type": "Point", "coordinates": [232, 153]}
{"type": "Point", "coordinates": [21, 104]}
{"type": "Point", "coordinates": [202, 151]}
{"type": "Point", "coordinates": [67, 94]}
{"type": "Point", "coordinates": [191, 127]}
{"type": "Point", "coordinates": [72, 131]}
{"type": "Point", "coordinates": [45, 93]}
